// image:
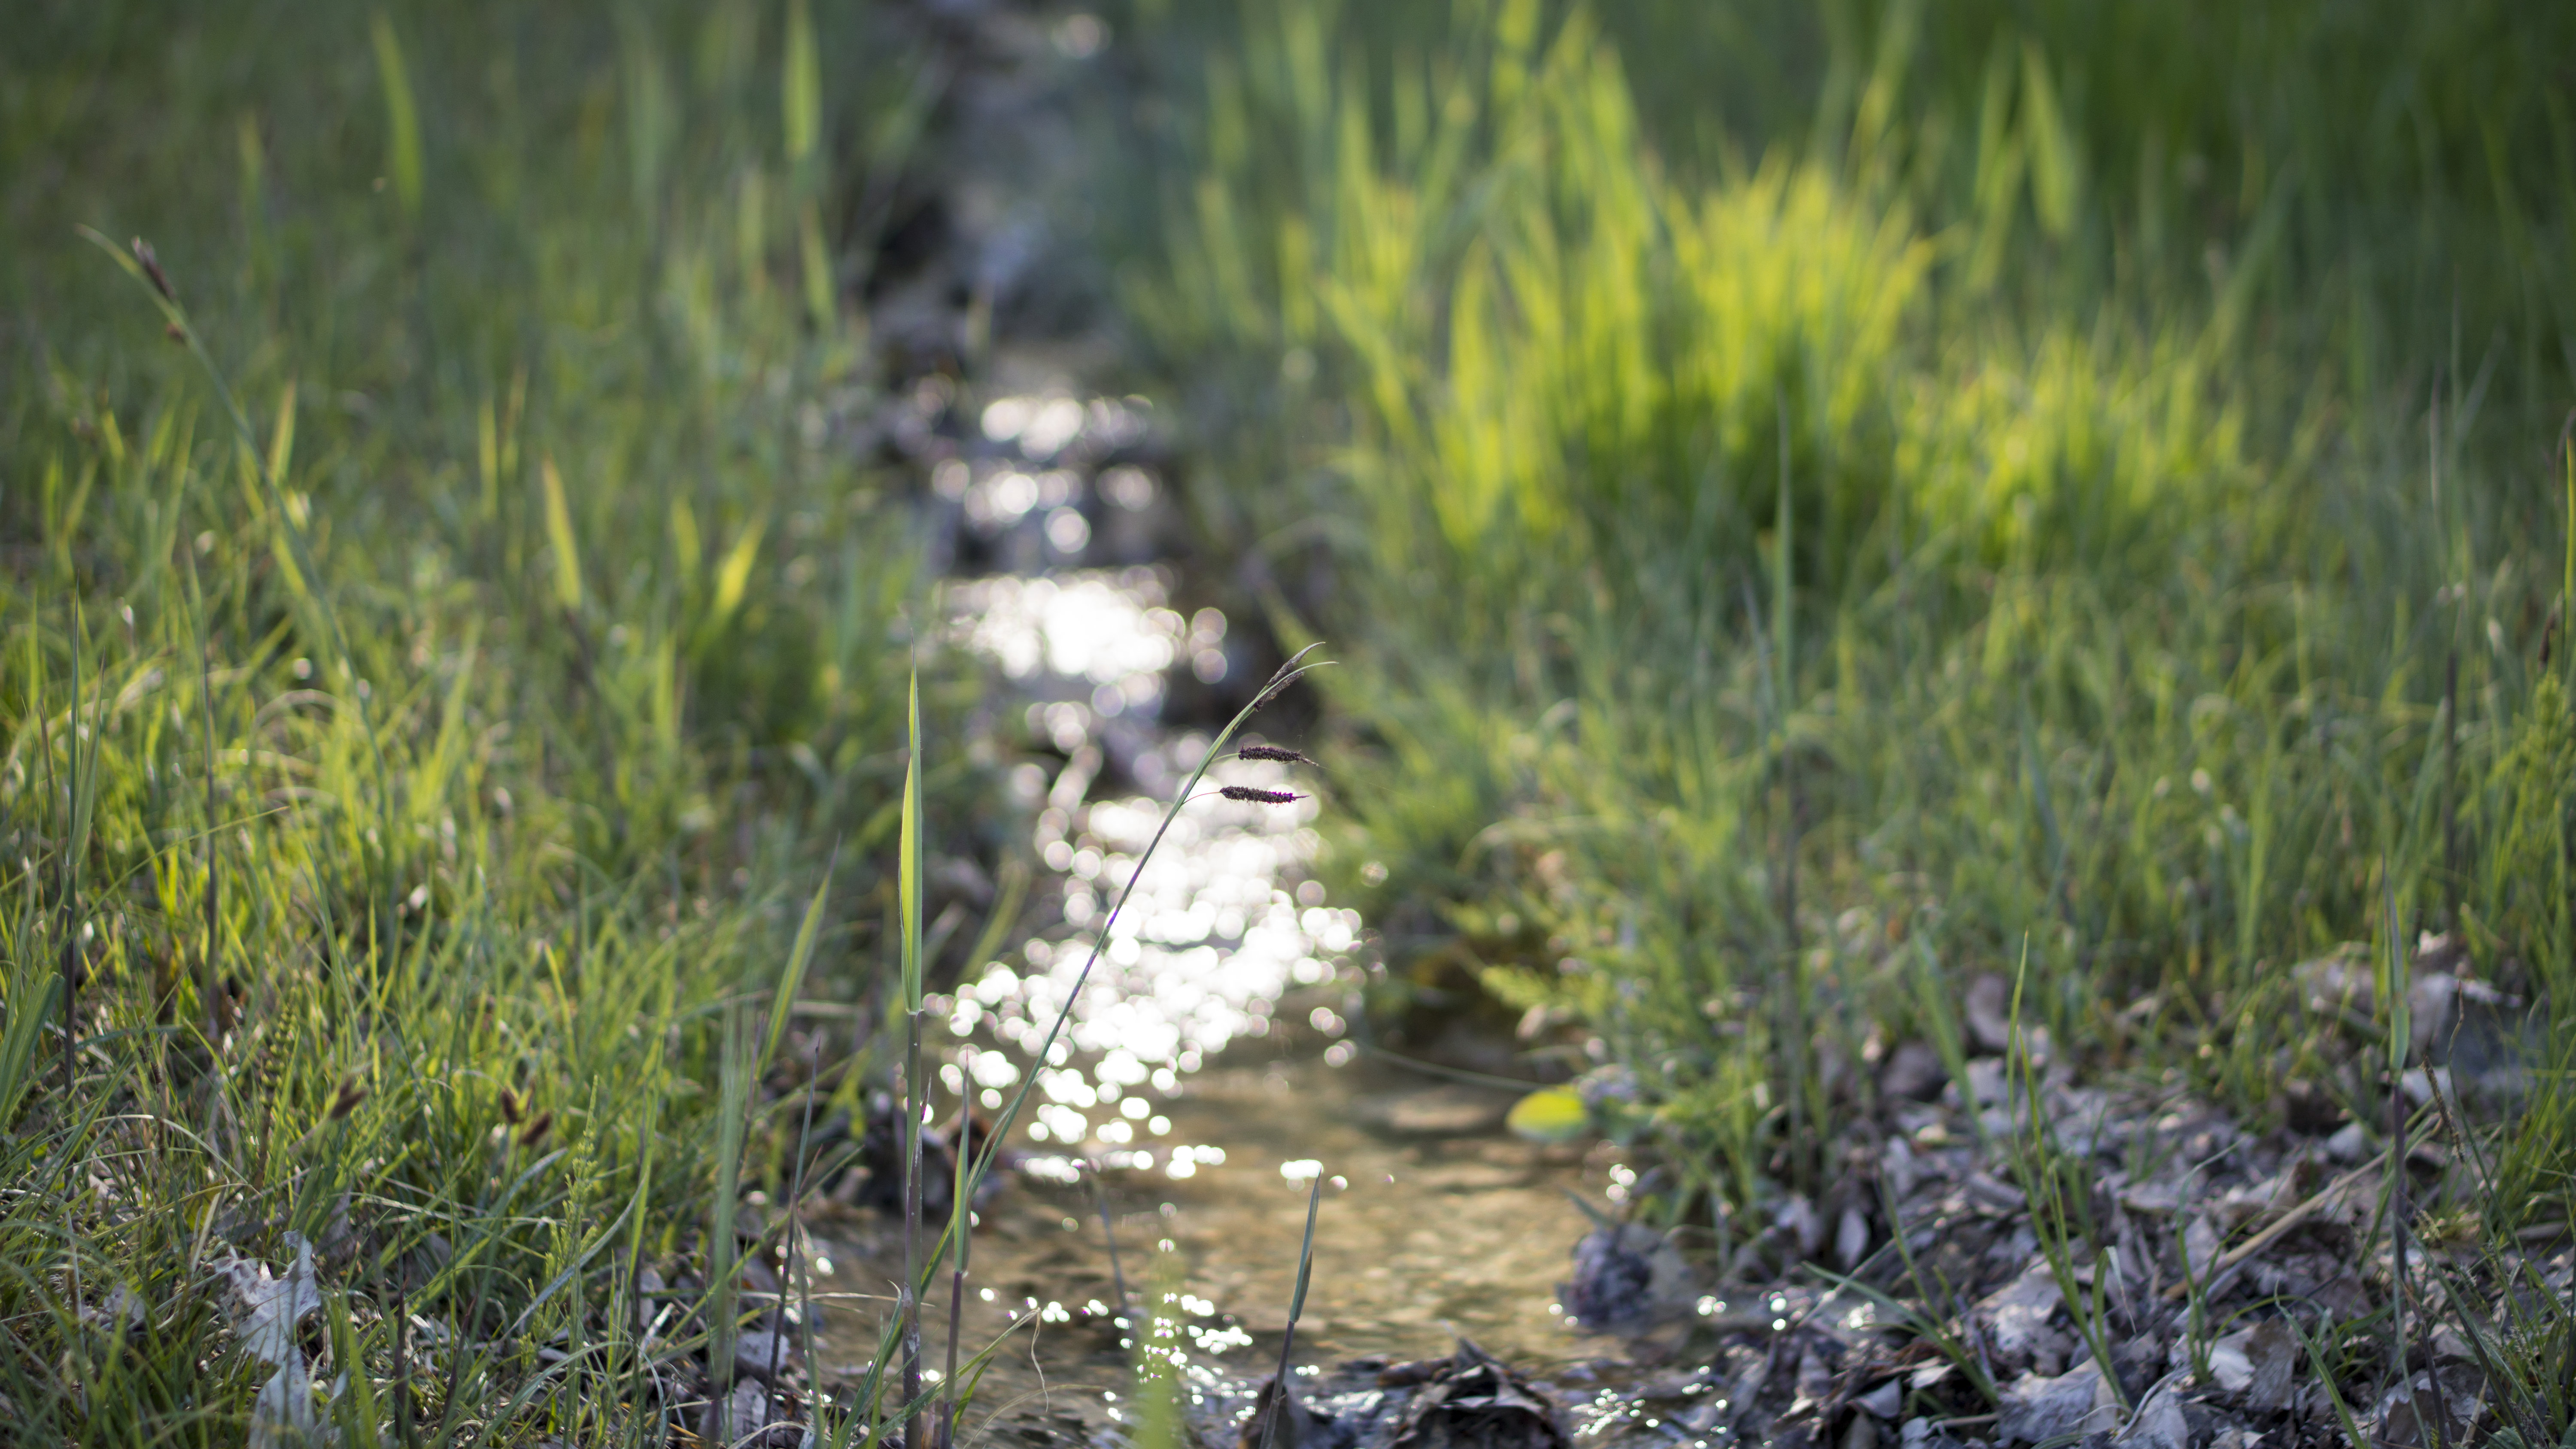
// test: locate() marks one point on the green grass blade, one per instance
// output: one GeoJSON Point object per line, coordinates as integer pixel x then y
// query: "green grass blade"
{"type": "Point", "coordinates": [791, 976]}
{"type": "Point", "coordinates": [559, 533]}
{"type": "Point", "coordinates": [33, 994]}
{"type": "Point", "coordinates": [908, 869]}
{"type": "Point", "coordinates": [800, 91]}
{"type": "Point", "coordinates": [1281, 1392]}
{"type": "Point", "coordinates": [402, 118]}
{"type": "Point", "coordinates": [733, 1108]}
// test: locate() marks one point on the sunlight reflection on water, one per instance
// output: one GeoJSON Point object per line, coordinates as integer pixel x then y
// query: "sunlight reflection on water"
{"type": "Point", "coordinates": [1225, 921]}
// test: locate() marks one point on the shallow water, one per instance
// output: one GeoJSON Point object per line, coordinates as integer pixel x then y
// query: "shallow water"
{"type": "Point", "coordinates": [1433, 1223]}
{"type": "Point", "coordinates": [1204, 1076]}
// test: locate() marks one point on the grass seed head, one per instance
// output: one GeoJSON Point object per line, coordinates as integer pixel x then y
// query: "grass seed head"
{"type": "Point", "coordinates": [346, 1099]}
{"type": "Point", "coordinates": [535, 1131]}
{"type": "Point", "coordinates": [1273, 753]}
{"type": "Point", "coordinates": [152, 268]}
{"type": "Point", "coordinates": [511, 1111]}
{"type": "Point", "coordinates": [1253, 796]}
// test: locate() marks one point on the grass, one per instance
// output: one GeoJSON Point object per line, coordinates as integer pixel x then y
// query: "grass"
{"type": "Point", "coordinates": [431, 687]}
{"type": "Point", "coordinates": [2041, 485]}
{"type": "Point", "coordinates": [1994, 482]}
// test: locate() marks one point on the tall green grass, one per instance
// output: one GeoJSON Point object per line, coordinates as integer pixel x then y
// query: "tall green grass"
{"type": "Point", "coordinates": [2027, 490]}
{"type": "Point", "coordinates": [437, 641]}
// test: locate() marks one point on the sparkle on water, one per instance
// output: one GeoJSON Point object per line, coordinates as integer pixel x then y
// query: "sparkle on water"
{"type": "Point", "coordinates": [1224, 921]}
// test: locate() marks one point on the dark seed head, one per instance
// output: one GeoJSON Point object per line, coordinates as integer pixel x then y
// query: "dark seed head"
{"type": "Point", "coordinates": [152, 268]}
{"type": "Point", "coordinates": [1258, 797]}
{"type": "Point", "coordinates": [535, 1131]}
{"type": "Point", "coordinates": [1273, 753]}
{"type": "Point", "coordinates": [346, 1100]}
{"type": "Point", "coordinates": [1284, 675]}
{"type": "Point", "coordinates": [510, 1109]}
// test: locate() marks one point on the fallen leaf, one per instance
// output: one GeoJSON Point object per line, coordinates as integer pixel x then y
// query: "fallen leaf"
{"type": "Point", "coordinates": [2076, 1402]}
{"type": "Point", "coordinates": [2274, 1352]}
{"type": "Point", "coordinates": [1550, 1114]}
{"type": "Point", "coordinates": [2158, 1423]}
{"type": "Point", "coordinates": [266, 1309]}
{"type": "Point", "coordinates": [122, 1309]}
{"type": "Point", "coordinates": [1477, 1403]}
{"type": "Point", "coordinates": [284, 1416]}
{"type": "Point", "coordinates": [2229, 1363]}
{"type": "Point", "coordinates": [2016, 1315]}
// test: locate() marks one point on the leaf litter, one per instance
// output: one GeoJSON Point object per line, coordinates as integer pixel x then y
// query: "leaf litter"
{"type": "Point", "coordinates": [2243, 1278]}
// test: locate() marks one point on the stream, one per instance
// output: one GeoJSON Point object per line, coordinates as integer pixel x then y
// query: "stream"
{"type": "Point", "coordinates": [1207, 1073]}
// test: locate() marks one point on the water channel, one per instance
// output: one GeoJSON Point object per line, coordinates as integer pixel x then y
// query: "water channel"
{"type": "Point", "coordinates": [1208, 1073]}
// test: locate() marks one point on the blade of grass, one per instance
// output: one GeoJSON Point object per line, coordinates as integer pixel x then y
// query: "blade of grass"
{"type": "Point", "coordinates": [1280, 1392]}
{"type": "Point", "coordinates": [961, 1239]}
{"type": "Point", "coordinates": [791, 976]}
{"type": "Point", "coordinates": [733, 1107]}
{"type": "Point", "coordinates": [915, 1098]}
{"type": "Point", "coordinates": [75, 854]}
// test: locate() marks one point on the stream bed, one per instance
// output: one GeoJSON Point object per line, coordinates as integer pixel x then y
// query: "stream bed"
{"type": "Point", "coordinates": [1433, 1224]}
{"type": "Point", "coordinates": [1207, 1073]}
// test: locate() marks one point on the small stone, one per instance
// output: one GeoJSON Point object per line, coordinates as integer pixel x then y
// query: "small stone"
{"type": "Point", "coordinates": [738, 1417]}
{"type": "Point", "coordinates": [1987, 1081]}
{"type": "Point", "coordinates": [1989, 1007]}
{"type": "Point", "coordinates": [764, 1354]}
{"type": "Point", "coordinates": [1884, 1401]}
{"type": "Point", "coordinates": [1913, 1072]}
{"type": "Point", "coordinates": [2348, 1143]}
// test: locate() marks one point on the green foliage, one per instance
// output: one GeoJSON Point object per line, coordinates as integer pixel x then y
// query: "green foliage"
{"type": "Point", "coordinates": [427, 689]}
{"type": "Point", "coordinates": [2122, 585]}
